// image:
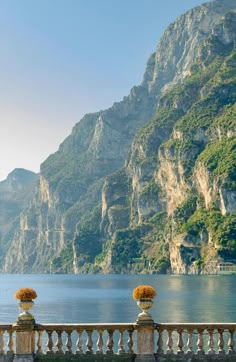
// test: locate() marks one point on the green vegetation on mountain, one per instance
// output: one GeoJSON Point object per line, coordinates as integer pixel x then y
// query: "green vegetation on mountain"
{"type": "Point", "coordinates": [221, 227]}
{"type": "Point", "coordinates": [220, 158]}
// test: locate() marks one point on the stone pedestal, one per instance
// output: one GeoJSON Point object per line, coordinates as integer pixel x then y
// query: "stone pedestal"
{"type": "Point", "coordinates": [25, 341]}
{"type": "Point", "coordinates": [145, 342]}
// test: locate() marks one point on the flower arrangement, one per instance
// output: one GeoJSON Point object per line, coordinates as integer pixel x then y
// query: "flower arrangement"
{"type": "Point", "coordinates": [25, 294]}
{"type": "Point", "coordinates": [144, 292]}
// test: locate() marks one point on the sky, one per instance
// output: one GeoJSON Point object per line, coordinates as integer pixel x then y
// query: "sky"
{"type": "Point", "coordinates": [60, 59]}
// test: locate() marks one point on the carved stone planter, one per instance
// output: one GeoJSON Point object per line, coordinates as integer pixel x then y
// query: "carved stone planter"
{"type": "Point", "coordinates": [145, 305]}
{"type": "Point", "coordinates": [26, 305]}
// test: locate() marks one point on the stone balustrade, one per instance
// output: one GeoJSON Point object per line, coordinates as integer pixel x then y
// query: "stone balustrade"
{"type": "Point", "coordinates": [80, 339]}
{"type": "Point", "coordinates": [212, 339]}
{"type": "Point", "coordinates": [145, 341]}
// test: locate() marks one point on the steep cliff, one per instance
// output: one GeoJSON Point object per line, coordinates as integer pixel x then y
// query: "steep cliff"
{"type": "Point", "coordinates": [15, 192]}
{"type": "Point", "coordinates": [182, 168]}
{"type": "Point", "coordinates": [122, 192]}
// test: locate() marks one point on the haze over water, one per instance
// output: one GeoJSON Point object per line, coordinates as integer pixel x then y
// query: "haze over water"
{"type": "Point", "coordinates": [108, 298]}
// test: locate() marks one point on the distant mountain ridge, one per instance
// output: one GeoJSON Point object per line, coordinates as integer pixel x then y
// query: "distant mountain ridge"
{"type": "Point", "coordinates": [134, 187]}
{"type": "Point", "coordinates": [18, 179]}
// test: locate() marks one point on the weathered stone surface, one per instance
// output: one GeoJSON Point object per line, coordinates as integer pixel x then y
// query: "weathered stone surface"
{"type": "Point", "coordinates": [6, 358]}
{"type": "Point", "coordinates": [23, 358]}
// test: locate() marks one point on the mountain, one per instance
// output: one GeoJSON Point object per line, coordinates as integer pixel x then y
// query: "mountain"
{"type": "Point", "coordinates": [15, 192]}
{"type": "Point", "coordinates": [179, 212]}
{"type": "Point", "coordinates": [147, 185]}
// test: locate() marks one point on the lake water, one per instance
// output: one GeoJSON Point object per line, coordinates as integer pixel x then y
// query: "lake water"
{"type": "Point", "coordinates": [108, 298]}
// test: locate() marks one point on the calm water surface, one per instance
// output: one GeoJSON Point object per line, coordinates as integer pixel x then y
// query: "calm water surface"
{"type": "Point", "coordinates": [108, 298]}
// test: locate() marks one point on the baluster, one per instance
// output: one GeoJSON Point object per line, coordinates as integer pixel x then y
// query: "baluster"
{"type": "Point", "coordinates": [169, 342]}
{"type": "Point", "coordinates": [231, 341]}
{"type": "Point", "coordinates": [1, 342]}
{"type": "Point", "coordinates": [10, 343]}
{"type": "Point", "coordinates": [50, 342]}
{"type": "Point", "coordinates": [89, 342]}
{"type": "Point", "coordinates": [110, 342]}
{"type": "Point", "coordinates": [121, 343]}
{"type": "Point", "coordinates": [211, 343]}
{"type": "Point", "coordinates": [221, 342]}
{"type": "Point", "coordinates": [190, 341]}
{"type": "Point", "coordinates": [40, 343]}
{"type": "Point", "coordinates": [59, 343]}
{"type": "Point", "coordinates": [79, 343]}
{"type": "Point", "coordinates": [180, 343]}
{"type": "Point", "coordinates": [130, 342]}
{"type": "Point", "coordinates": [200, 343]}
{"type": "Point", "coordinates": [100, 342]}
{"type": "Point", "coordinates": [160, 342]}
{"type": "Point", "coordinates": [69, 342]}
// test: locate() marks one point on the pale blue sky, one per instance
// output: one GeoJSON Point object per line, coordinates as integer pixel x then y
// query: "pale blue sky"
{"type": "Point", "coordinates": [61, 59]}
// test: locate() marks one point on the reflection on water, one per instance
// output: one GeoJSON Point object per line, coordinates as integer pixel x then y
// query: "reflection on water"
{"type": "Point", "coordinates": [108, 298]}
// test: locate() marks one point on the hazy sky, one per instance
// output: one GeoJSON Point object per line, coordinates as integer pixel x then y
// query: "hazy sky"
{"type": "Point", "coordinates": [61, 59]}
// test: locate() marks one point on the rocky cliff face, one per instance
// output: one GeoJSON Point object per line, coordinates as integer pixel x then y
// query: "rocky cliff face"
{"type": "Point", "coordinates": [122, 192]}
{"type": "Point", "coordinates": [15, 192]}
{"type": "Point", "coordinates": [182, 170]}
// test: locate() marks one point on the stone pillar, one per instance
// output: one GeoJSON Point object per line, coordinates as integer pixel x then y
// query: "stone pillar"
{"type": "Point", "coordinates": [145, 341]}
{"type": "Point", "coordinates": [25, 341]}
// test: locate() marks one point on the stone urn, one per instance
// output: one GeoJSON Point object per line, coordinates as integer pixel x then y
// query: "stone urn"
{"type": "Point", "coordinates": [25, 297]}
{"type": "Point", "coordinates": [145, 305]}
{"type": "Point", "coordinates": [144, 295]}
{"type": "Point", "coordinates": [26, 305]}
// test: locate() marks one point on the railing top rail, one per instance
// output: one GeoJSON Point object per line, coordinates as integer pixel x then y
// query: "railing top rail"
{"type": "Point", "coordinates": [5, 326]}
{"type": "Point", "coordinates": [88, 326]}
{"type": "Point", "coordinates": [225, 325]}
{"type": "Point", "coordinates": [196, 325]}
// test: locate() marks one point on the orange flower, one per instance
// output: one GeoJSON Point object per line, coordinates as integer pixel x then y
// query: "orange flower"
{"type": "Point", "coordinates": [25, 294]}
{"type": "Point", "coordinates": [144, 292]}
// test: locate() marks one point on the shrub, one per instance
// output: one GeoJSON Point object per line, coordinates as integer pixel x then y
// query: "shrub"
{"type": "Point", "coordinates": [25, 294]}
{"type": "Point", "coordinates": [144, 292]}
